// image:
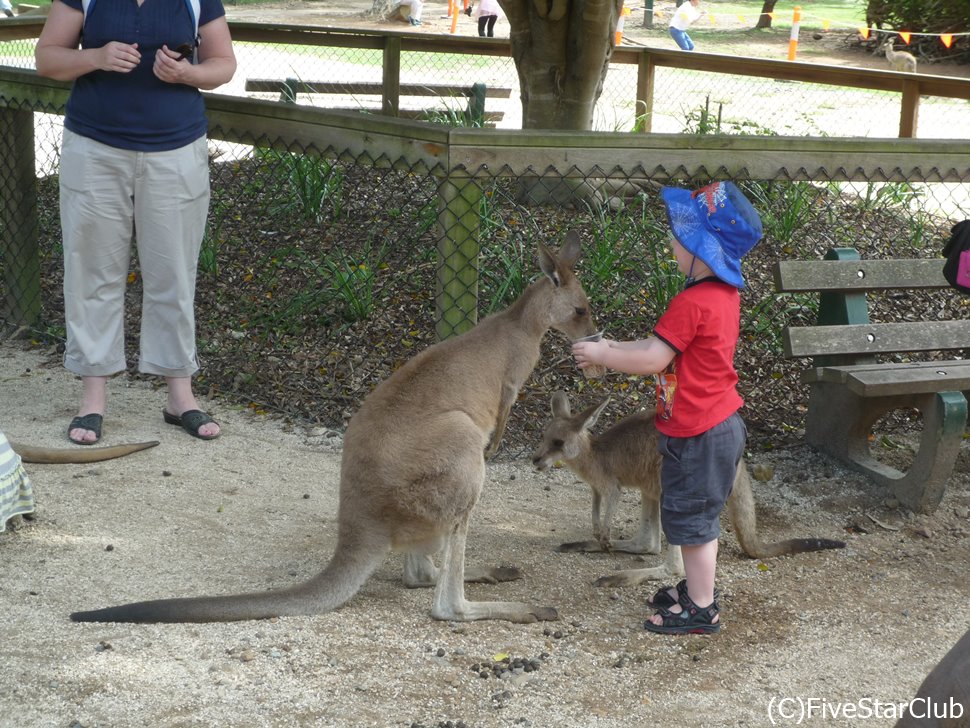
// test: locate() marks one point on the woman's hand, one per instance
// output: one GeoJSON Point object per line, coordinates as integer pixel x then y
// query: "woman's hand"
{"type": "Point", "coordinates": [172, 66]}
{"type": "Point", "coordinates": [119, 57]}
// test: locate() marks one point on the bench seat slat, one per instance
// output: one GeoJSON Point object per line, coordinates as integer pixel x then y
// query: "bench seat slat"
{"type": "Point", "coordinates": [796, 276]}
{"type": "Point", "coordinates": [876, 338]}
{"type": "Point", "coordinates": [877, 380]}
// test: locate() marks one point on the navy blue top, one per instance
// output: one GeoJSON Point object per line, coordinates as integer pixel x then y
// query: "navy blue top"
{"type": "Point", "coordinates": [136, 110]}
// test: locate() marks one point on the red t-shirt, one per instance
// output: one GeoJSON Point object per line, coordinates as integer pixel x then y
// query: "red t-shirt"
{"type": "Point", "coordinates": [699, 388]}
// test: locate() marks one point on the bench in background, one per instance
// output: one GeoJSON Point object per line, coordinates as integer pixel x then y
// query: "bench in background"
{"type": "Point", "coordinates": [390, 101]}
{"type": "Point", "coordinates": [850, 389]}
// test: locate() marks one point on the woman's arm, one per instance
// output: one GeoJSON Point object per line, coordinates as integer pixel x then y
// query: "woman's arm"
{"type": "Point", "coordinates": [217, 61]}
{"type": "Point", "coordinates": [58, 56]}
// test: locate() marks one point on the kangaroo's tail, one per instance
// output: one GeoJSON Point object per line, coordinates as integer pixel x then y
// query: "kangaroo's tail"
{"type": "Point", "coordinates": [57, 456]}
{"type": "Point", "coordinates": [350, 567]}
{"type": "Point", "coordinates": [742, 513]}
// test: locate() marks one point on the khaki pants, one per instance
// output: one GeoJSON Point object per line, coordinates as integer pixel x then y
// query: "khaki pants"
{"type": "Point", "coordinates": [110, 197]}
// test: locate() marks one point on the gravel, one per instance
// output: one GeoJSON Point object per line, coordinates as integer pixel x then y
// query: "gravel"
{"type": "Point", "coordinates": [256, 509]}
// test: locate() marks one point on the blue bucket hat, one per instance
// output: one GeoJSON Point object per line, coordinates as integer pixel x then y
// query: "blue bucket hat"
{"type": "Point", "coordinates": [717, 224]}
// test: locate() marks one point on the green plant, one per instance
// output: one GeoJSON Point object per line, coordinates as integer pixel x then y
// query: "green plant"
{"type": "Point", "coordinates": [314, 185]}
{"type": "Point", "coordinates": [504, 271]}
{"type": "Point", "coordinates": [784, 207]}
{"type": "Point", "coordinates": [352, 281]}
{"type": "Point", "coordinates": [887, 195]}
{"type": "Point", "coordinates": [212, 241]}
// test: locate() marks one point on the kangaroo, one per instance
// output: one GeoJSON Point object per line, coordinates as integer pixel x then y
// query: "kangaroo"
{"type": "Point", "coordinates": [58, 456]}
{"type": "Point", "coordinates": [943, 699]}
{"type": "Point", "coordinates": [413, 467]}
{"type": "Point", "coordinates": [899, 60]}
{"type": "Point", "coordinates": [625, 456]}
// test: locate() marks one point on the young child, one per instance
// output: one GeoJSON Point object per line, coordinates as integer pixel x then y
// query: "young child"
{"type": "Point", "coordinates": [691, 352]}
{"type": "Point", "coordinates": [687, 13]}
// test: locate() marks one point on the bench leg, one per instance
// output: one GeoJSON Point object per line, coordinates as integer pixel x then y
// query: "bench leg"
{"type": "Point", "coordinates": [840, 422]}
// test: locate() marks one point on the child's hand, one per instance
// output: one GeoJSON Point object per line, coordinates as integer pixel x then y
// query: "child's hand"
{"type": "Point", "coordinates": [590, 353]}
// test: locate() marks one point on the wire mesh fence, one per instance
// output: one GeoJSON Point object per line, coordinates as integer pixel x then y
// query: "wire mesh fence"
{"type": "Point", "coordinates": [327, 264]}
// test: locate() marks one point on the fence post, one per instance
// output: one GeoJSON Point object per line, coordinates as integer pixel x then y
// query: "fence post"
{"type": "Point", "coordinates": [456, 295]}
{"type": "Point", "coordinates": [909, 109]}
{"type": "Point", "coordinates": [19, 224]}
{"type": "Point", "coordinates": [391, 100]}
{"type": "Point", "coordinates": [643, 111]}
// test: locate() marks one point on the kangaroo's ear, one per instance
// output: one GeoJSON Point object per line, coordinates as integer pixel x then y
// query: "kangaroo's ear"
{"type": "Point", "coordinates": [570, 251]}
{"type": "Point", "coordinates": [560, 404]}
{"type": "Point", "coordinates": [548, 263]}
{"type": "Point", "coordinates": [593, 412]}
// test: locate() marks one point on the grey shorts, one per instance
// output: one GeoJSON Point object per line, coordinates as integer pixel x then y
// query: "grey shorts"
{"type": "Point", "coordinates": [697, 476]}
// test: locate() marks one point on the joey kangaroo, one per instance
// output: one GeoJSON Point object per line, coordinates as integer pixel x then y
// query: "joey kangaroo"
{"type": "Point", "coordinates": [899, 60]}
{"type": "Point", "coordinates": [625, 456]}
{"type": "Point", "coordinates": [414, 464]}
{"type": "Point", "coordinates": [58, 456]}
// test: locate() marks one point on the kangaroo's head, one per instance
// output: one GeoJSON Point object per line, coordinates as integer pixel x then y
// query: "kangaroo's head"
{"type": "Point", "coordinates": [566, 436]}
{"type": "Point", "coordinates": [568, 307]}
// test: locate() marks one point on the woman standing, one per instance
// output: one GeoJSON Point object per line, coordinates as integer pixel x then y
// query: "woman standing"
{"type": "Point", "coordinates": [134, 166]}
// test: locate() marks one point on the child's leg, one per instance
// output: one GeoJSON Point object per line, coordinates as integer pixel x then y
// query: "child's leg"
{"type": "Point", "coordinates": [700, 565]}
{"type": "Point", "coordinates": [681, 39]}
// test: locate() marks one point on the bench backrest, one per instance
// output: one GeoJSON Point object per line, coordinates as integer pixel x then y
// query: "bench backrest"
{"type": "Point", "coordinates": [844, 334]}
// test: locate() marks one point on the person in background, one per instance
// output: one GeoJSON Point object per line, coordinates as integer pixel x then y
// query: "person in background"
{"type": "Point", "coordinates": [134, 166]}
{"type": "Point", "coordinates": [691, 355]}
{"type": "Point", "coordinates": [417, 9]}
{"type": "Point", "coordinates": [487, 13]}
{"type": "Point", "coordinates": [682, 18]}
{"type": "Point", "coordinates": [7, 8]}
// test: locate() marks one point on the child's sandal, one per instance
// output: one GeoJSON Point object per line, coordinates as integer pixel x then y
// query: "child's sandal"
{"type": "Point", "coordinates": [691, 620]}
{"type": "Point", "coordinates": [663, 600]}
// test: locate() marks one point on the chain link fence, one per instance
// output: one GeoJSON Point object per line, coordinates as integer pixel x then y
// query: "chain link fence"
{"type": "Point", "coordinates": [338, 246]}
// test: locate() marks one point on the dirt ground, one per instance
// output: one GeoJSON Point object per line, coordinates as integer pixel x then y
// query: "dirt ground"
{"type": "Point", "coordinates": [256, 509]}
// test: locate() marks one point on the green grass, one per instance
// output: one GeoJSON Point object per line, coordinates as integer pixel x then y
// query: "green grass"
{"type": "Point", "coordinates": [839, 13]}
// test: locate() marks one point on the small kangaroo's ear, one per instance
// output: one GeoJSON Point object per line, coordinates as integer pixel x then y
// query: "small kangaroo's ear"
{"type": "Point", "coordinates": [560, 404]}
{"type": "Point", "coordinates": [592, 413]}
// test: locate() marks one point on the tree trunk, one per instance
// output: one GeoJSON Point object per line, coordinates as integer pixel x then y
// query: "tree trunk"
{"type": "Point", "coordinates": [383, 8]}
{"type": "Point", "coordinates": [562, 51]}
{"type": "Point", "coordinates": [764, 20]}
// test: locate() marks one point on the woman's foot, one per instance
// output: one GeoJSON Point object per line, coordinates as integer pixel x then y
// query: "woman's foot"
{"type": "Point", "coordinates": [182, 400]}
{"type": "Point", "coordinates": [93, 402]}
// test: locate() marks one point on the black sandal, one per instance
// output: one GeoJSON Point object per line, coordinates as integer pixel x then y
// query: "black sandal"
{"type": "Point", "coordinates": [91, 422]}
{"type": "Point", "coordinates": [191, 421]}
{"type": "Point", "coordinates": [691, 620]}
{"type": "Point", "coordinates": [663, 600]}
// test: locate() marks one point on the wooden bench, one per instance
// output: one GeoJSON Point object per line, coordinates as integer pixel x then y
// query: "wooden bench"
{"type": "Point", "coordinates": [390, 100]}
{"type": "Point", "coordinates": [851, 386]}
